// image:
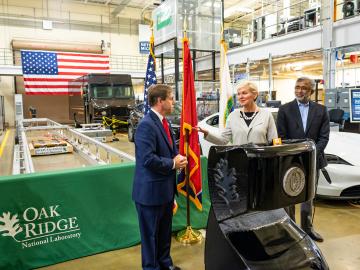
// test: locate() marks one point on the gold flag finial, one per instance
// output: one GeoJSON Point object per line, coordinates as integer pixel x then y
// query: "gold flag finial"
{"type": "Point", "coordinates": [185, 25]}
{"type": "Point", "coordinates": [152, 32]}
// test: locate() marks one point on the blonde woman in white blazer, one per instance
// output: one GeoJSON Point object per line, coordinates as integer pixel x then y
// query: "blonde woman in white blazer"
{"type": "Point", "coordinates": [250, 124]}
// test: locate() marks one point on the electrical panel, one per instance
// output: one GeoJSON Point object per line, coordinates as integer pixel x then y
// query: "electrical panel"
{"type": "Point", "coordinates": [344, 102]}
{"type": "Point", "coordinates": [330, 98]}
{"type": "Point", "coordinates": [337, 98]}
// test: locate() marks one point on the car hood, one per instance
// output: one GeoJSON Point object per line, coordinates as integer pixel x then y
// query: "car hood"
{"type": "Point", "coordinates": [344, 145]}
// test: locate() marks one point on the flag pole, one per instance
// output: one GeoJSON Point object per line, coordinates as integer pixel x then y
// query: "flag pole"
{"type": "Point", "coordinates": [152, 42]}
{"type": "Point", "coordinates": [188, 235]}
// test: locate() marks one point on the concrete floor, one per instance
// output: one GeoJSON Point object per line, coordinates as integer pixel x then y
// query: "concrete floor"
{"type": "Point", "coordinates": [337, 221]}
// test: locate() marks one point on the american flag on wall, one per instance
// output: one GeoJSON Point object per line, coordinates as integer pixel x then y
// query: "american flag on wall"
{"type": "Point", "coordinates": [48, 73]}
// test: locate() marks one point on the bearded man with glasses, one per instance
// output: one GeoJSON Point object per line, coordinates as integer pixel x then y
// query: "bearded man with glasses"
{"type": "Point", "coordinates": [305, 119]}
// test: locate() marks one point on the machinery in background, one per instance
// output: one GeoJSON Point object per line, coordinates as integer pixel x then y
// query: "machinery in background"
{"type": "Point", "coordinates": [102, 95]}
{"type": "Point", "coordinates": [309, 18]}
{"type": "Point", "coordinates": [338, 98]}
{"type": "Point", "coordinates": [264, 97]}
{"type": "Point", "coordinates": [350, 8]}
{"type": "Point", "coordinates": [233, 37]}
{"type": "Point", "coordinates": [264, 27]}
{"type": "Point", "coordinates": [32, 112]}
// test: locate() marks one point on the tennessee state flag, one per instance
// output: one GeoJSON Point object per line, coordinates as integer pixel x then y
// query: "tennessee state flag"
{"type": "Point", "coordinates": [188, 121]}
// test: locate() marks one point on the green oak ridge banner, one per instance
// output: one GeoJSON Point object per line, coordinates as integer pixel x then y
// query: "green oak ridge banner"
{"type": "Point", "coordinates": [47, 218]}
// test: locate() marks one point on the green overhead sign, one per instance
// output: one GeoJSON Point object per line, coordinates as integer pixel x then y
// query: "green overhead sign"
{"type": "Point", "coordinates": [163, 18]}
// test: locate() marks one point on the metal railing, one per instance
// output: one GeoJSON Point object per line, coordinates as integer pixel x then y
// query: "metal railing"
{"type": "Point", "coordinates": [128, 62]}
{"type": "Point", "coordinates": [98, 19]}
{"type": "Point", "coordinates": [93, 151]}
{"type": "Point", "coordinates": [294, 18]}
{"type": "Point", "coordinates": [6, 57]}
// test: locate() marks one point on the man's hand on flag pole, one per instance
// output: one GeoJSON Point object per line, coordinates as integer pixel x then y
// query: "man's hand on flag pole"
{"type": "Point", "coordinates": [180, 162]}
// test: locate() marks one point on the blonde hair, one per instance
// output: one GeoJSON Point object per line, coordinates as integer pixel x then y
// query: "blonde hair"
{"type": "Point", "coordinates": [250, 85]}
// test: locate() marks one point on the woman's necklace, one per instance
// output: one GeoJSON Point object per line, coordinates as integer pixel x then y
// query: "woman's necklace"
{"type": "Point", "coordinates": [249, 117]}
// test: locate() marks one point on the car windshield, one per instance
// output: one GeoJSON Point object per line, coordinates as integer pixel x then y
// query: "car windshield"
{"type": "Point", "coordinates": [108, 91]}
{"type": "Point", "coordinates": [123, 91]}
{"type": "Point", "coordinates": [213, 121]}
{"type": "Point", "coordinates": [101, 91]}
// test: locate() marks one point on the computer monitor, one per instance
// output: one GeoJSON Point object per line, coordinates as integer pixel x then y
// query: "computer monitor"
{"type": "Point", "coordinates": [273, 103]}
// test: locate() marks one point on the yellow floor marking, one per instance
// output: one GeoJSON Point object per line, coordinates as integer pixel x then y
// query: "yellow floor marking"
{"type": "Point", "coordinates": [4, 142]}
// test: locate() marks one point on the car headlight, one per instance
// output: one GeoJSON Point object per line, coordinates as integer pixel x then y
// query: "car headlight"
{"type": "Point", "coordinates": [334, 159]}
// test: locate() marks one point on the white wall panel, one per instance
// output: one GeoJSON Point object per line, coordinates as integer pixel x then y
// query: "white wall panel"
{"type": "Point", "coordinates": [346, 32]}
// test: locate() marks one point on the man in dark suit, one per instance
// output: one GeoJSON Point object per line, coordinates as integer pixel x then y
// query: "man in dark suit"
{"type": "Point", "coordinates": [154, 187]}
{"type": "Point", "coordinates": [300, 119]}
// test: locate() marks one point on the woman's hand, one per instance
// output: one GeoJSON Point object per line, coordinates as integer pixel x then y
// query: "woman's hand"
{"type": "Point", "coordinates": [199, 129]}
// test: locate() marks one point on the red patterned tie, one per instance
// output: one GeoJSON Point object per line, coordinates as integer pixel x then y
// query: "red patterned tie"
{"type": "Point", "coordinates": [167, 130]}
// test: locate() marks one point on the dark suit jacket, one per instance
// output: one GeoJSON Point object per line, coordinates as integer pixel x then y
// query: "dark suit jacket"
{"type": "Point", "coordinates": [155, 178]}
{"type": "Point", "coordinates": [290, 126]}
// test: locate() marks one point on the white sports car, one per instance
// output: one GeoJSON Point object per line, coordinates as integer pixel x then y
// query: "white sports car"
{"type": "Point", "coordinates": [339, 180]}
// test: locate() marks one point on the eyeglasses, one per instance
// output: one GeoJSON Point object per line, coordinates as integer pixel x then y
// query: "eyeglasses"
{"type": "Point", "coordinates": [302, 88]}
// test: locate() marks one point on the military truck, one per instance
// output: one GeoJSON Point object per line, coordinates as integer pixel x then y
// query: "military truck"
{"type": "Point", "coordinates": [101, 95]}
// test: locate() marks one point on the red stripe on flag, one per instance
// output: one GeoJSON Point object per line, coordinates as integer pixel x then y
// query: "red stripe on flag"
{"type": "Point", "coordinates": [83, 55]}
{"type": "Point", "coordinates": [46, 80]}
{"type": "Point", "coordinates": [84, 61]}
{"type": "Point", "coordinates": [53, 93]}
{"type": "Point", "coordinates": [83, 67]}
{"type": "Point", "coordinates": [74, 73]}
{"type": "Point", "coordinates": [52, 86]}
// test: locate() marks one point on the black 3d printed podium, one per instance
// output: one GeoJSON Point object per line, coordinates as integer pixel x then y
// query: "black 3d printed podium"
{"type": "Point", "coordinates": [247, 227]}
